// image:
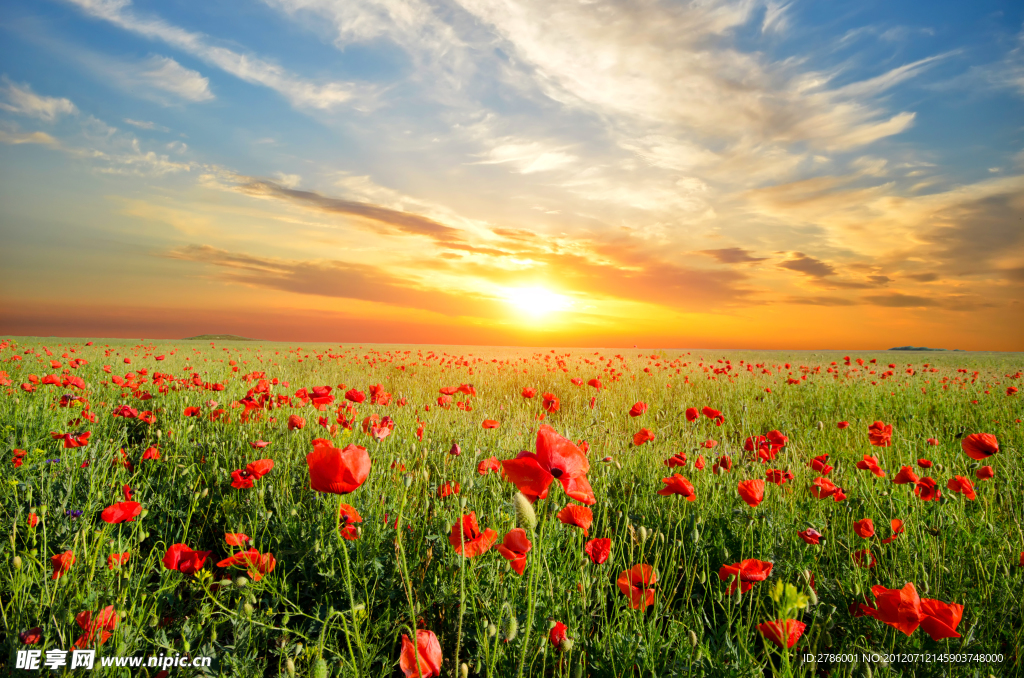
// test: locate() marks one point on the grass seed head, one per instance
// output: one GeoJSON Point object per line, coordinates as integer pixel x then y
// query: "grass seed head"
{"type": "Point", "coordinates": [526, 517]}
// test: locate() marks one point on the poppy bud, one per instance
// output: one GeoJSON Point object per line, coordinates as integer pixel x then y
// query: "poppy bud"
{"type": "Point", "coordinates": [492, 630]}
{"type": "Point", "coordinates": [526, 517]}
{"type": "Point", "coordinates": [577, 671]}
{"type": "Point", "coordinates": [320, 668]}
{"type": "Point", "coordinates": [426, 475]}
{"type": "Point", "coordinates": [153, 621]}
{"type": "Point", "coordinates": [695, 534]}
{"type": "Point", "coordinates": [693, 638]}
{"type": "Point", "coordinates": [455, 450]}
{"type": "Point", "coordinates": [16, 562]}
{"type": "Point", "coordinates": [213, 634]}
{"type": "Point", "coordinates": [289, 667]}
{"type": "Point", "coordinates": [205, 493]}
{"type": "Point", "coordinates": [509, 624]}
{"type": "Point", "coordinates": [812, 598]}
{"type": "Point", "coordinates": [827, 639]}
{"type": "Point", "coordinates": [241, 581]}
{"type": "Point", "coordinates": [464, 670]}
{"type": "Point", "coordinates": [407, 481]}
{"type": "Point", "coordinates": [643, 534]}
{"type": "Point", "coordinates": [738, 594]}
{"type": "Point", "coordinates": [42, 509]}
{"type": "Point", "coordinates": [565, 645]}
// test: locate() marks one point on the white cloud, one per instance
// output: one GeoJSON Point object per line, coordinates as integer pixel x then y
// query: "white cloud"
{"type": "Point", "coordinates": [299, 91]}
{"type": "Point", "coordinates": [527, 157]}
{"type": "Point", "coordinates": [168, 75]}
{"type": "Point", "coordinates": [22, 100]}
{"type": "Point", "coordinates": [143, 124]}
{"type": "Point", "coordinates": [27, 138]}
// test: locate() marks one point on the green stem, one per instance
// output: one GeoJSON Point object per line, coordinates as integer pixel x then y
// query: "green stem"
{"type": "Point", "coordinates": [408, 582]}
{"type": "Point", "coordinates": [351, 597]}
{"type": "Point", "coordinates": [462, 594]}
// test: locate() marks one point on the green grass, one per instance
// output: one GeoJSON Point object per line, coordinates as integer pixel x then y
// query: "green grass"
{"type": "Point", "coordinates": [953, 550]}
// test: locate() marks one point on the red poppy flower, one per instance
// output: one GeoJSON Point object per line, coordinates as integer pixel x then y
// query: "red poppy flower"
{"type": "Point", "coordinates": [864, 558]}
{"type": "Point", "coordinates": [558, 633]}
{"type": "Point", "coordinates": [823, 488]}
{"type": "Point", "coordinates": [932, 441]}
{"type": "Point", "coordinates": [897, 528]}
{"type": "Point", "coordinates": [236, 538]}
{"type": "Point", "coordinates": [924, 463]}
{"type": "Point", "coordinates": [899, 608]}
{"type": "Point", "coordinates": [864, 528]}
{"type": "Point", "coordinates": [870, 463]}
{"type": "Point", "coordinates": [596, 383]}
{"type": "Point", "coordinates": [337, 471]}
{"type": "Point", "coordinates": [963, 486]}
{"type": "Point", "coordinates": [677, 484]}
{"type": "Point", "coordinates": [708, 444]}
{"type": "Point", "coordinates": [295, 422]}
{"type": "Point", "coordinates": [61, 563]}
{"type": "Point", "coordinates": [634, 583]}
{"type": "Point", "coordinates": [348, 516]}
{"type": "Point", "coordinates": [718, 417]}
{"type": "Point", "coordinates": [692, 414]}
{"type": "Point", "coordinates": [455, 450]}
{"type": "Point", "coordinates": [488, 465]}
{"type": "Point", "coordinates": [598, 550]}
{"type": "Point", "coordinates": [260, 467]}
{"type": "Point", "coordinates": [783, 632]}
{"type": "Point", "coordinates": [71, 440]}
{"type": "Point", "coordinates": [980, 446]}
{"type": "Point", "coordinates": [258, 444]}
{"type": "Point", "coordinates": [514, 549]}
{"type": "Point", "coordinates": [183, 559]}
{"type": "Point", "coordinates": [257, 565]}
{"type": "Point", "coordinates": [699, 464]}
{"type": "Point", "coordinates": [985, 473]}
{"type": "Point", "coordinates": [550, 403]}
{"type": "Point", "coordinates": [151, 453]}
{"type": "Point", "coordinates": [447, 490]}
{"type": "Point", "coordinates": [355, 396]}
{"type": "Point", "coordinates": [556, 457]}
{"type": "Point", "coordinates": [940, 619]}
{"type": "Point", "coordinates": [490, 423]}
{"type": "Point", "coordinates": [927, 489]}
{"type": "Point", "coordinates": [468, 532]}
{"type": "Point", "coordinates": [746, 573]}
{"type": "Point", "coordinates": [578, 516]}
{"type": "Point", "coordinates": [241, 480]}
{"type": "Point", "coordinates": [751, 491]}
{"type": "Point", "coordinates": [811, 536]}
{"type": "Point", "coordinates": [422, 659]}
{"type": "Point", "coordinates": [98, 628]}
{"type": "Point", "coordinates": [819, 464]}
{"type": "Point", "coordinates": [529, 392]}
{"type": "Point", "coordinates": [115, 560]}
{"type": "Point", "coordinates": [676, 460]}
{"type": "Point", "coordinates": [879, 434]}
{"type": "Point", "coordinates": [32, 636]}
{"type": "Point", "coordinates": [906, 476]}
{"type": "Point", "coordinates": [638, 409]}
{"type": "Point", "coordinates": [147, 417]}
{"type": "Point", "coordinates": [778, 477]}
{"type": "Point", "coordinates": [33, 520]}
{"type": "Point", "coordinates": [121, 512]}
{"type": "Point", "coordinates": [843, 424]}
{"type": "Point", "coordinates": [642, 436]}
{"type": "Point", "coordinates": [724, 463]}
{"type": "Point", "coordinates": [130, 412]}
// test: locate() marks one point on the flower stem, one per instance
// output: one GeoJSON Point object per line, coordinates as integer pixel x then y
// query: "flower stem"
{"type": "Point", "coordinates": [351, 597]}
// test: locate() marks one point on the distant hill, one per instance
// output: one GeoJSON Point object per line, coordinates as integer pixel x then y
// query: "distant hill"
{"type": "Point", "coordinates": [919, 348]}
{"type": "Point", "coordinates": [219, 337]}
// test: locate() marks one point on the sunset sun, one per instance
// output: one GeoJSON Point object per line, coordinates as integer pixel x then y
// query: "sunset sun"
{"type": "Point", "coordinates": [536, 301]}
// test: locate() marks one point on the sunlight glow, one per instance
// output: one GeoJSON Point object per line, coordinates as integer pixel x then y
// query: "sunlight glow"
{"type": "Point", "coordinates": [536, 301]}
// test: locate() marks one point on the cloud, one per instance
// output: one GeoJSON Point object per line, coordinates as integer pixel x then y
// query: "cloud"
{"type": "Point", "coordinates": [970, 236]}
{"type": "Point", "coordinates": [821, 301]}
{"type": "Point", "coordinates": [142, 124]}
{"type": "Point", "coordinates": [527, 158]}
{"type": "Point", "coordinates": [801, 263]}
{"type": "Point", "coordinates": [250, 68]}
{"type": "Point", "coordinates": [897, 300]}
{"type": "Point", "coordinates": [168, 75]}
{"type": "Point", "coordinates": [27, 138]}
{"type": "Point", "coordinates": [923, 277]}
{"type": "Point", "coordinates": [22, 100]}
{"type": "Point", "coordinates": [404, 222]}
{"type": "Point", "coordinates": [732, 255]}
{"type": "Point", "coordinates": [337, 279]}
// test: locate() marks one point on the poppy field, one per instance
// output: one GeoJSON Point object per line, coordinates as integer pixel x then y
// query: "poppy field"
{"type": "Point", "coordinates": [325, 510]}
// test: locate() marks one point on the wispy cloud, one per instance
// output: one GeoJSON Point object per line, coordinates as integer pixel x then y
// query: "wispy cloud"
{"type": "Point", "coordinates": [143, 124]}
{"type": "Point", "coordinates": [250, 68]}
{"type": "Point", "coordinates": [20, 99]}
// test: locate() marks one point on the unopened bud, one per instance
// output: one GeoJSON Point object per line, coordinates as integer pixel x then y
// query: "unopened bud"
{"type": "Point", "coordinates": [464, 670]}
{"type": "Point", "coordinates": [407, 481]}
{"type": "Point", "coordinates": [16, 561]}
{"type": "Point", "coordinates": [565, 645]}
{"type": "Point", "coordinates": [455, 450]}
{"type": "Point", "coordinates": [241, 581]}
{"type": "Point", "coordinates": [693, 638]}
{"type": "Point", "coordinates": [320, 668]}
{"type": "Point", "coordinates": [526, 517]}
{"type": "Point", "coordinates": [643, 534]}
{"type": "Point", "coordinates": [289, 667]}
{"type": "Point", "coordinates": [492, 630]}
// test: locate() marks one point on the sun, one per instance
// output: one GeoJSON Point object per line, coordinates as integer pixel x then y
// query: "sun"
{"type": "Point", "coordinates": [536, 301]}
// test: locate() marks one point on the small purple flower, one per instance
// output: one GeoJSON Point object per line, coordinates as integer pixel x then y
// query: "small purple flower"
{"type": "Point", "coordinates": [53, 461]}
{"type": "Point", "coordinates": [73, 514]}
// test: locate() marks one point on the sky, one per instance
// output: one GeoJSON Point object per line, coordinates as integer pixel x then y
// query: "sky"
{"type": "Point", "coordinates": [767, 175]}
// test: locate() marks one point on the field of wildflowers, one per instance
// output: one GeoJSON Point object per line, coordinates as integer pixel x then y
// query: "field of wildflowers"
{"type": "Point", "coordinates": [424, 511]}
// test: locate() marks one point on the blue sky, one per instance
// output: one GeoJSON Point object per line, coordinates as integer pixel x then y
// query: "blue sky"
{"type": "Point", "coordinates": [525, 171]}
